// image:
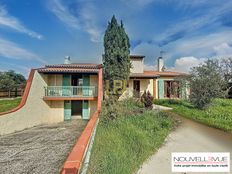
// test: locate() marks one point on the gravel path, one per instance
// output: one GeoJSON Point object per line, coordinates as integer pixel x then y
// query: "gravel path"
{"type": "Point", "coordinates": [189, 136]}
{"type": "Point", "coordinates": [39, 150]}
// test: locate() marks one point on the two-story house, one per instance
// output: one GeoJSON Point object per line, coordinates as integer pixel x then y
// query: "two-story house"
{"type": "Point", "coordinates": [55, 93]}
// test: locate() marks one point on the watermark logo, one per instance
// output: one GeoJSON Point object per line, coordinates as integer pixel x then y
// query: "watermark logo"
{"type": "Point", "coordinates": [201, 162]}
{"type": "Point", "coordinates": [118, 86]}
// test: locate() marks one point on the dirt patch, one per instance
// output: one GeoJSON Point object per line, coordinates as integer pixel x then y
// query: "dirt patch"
{"type": "Point", "coordinates": [41, 149]}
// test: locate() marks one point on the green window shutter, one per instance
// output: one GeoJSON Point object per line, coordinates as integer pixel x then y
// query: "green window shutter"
{"type": "Point", "coordinates": [161, 89]}
{"type": "Point", "coordinates": [85, 110]}
{"type": "Point", "coordinates": [66, 91]}
{"type": "Point", "coordinates": [183, 91]}
{"type": "Point", "coordinates": [67, 110]}
{"type": "Point", "coordinates": [86, 83]}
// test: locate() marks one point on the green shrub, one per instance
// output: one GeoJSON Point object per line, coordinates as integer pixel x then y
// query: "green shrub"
{"type": "Point", "coordinates": [147, 99]}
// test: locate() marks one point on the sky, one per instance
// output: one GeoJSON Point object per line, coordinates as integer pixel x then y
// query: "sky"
{"type": "Point", "coordinates": [36, 33]}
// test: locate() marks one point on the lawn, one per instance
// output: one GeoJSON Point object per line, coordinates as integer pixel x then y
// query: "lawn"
{"type": "Point", "coordinates": [8, 104]}
{"type": "Point", "coordinates": [218, 114]}
{"type": "Point", "coordinates": [123, 144]}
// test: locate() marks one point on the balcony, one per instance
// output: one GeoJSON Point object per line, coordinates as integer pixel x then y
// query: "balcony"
{"type": "Point", "coordinates": [70, 92]}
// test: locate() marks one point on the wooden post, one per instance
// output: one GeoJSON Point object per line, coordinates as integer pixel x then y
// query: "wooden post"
{"type": "Point", "coordinates": [154, 88]}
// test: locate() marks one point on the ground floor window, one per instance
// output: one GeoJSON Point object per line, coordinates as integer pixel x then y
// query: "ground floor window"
{"type": "Point", "coordinates": [171, 89]}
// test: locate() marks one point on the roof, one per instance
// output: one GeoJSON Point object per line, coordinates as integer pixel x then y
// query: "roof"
{"type": "Point", "coordinates": [164, 73]}
{"type": "Point", "coordinates": [71, 68]}
{"type": "Point", "coordinates": [137, 56]}
{"type": "Point", "coordinates": [143, 75]}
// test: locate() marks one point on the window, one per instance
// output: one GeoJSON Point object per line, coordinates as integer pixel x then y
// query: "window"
{"type": "Point", "coordinates": [171, 89]}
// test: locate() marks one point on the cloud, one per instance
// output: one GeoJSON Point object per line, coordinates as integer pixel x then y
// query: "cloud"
{"type": "Point", "coordinates": [11, 50]}
{"type": "Point", "coordinates": [6, 66]}
{"type": "Point", "coordinates": [211, 45]}
{"type": "Point", "coordinates": [89, 19]}
{"type": "Point", "coordinates": [83, 18]}
{"type": "Point", "coordinates": [190, 25]}
{"type": "Point", "coordinates": [63, 14]}
{"type": "Point", "coordinates": [184, 64]}
{"type": "Point", "coordinates": [150, 67]}
{"type": "Point", "coordinates": [223, 50]}
{"type": "Point", "coordinates": [173, 37]}
{"type": "Point", "coordinates": [6, 20]}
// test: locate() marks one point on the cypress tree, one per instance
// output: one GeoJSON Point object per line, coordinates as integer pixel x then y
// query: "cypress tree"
{"type": "Point", "coordinates": [116, 59]}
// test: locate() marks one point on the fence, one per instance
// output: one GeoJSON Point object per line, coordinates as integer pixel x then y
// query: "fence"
{"type": "Point", "coordinates": [13, 93]}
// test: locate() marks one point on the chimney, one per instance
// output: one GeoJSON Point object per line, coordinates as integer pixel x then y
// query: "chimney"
{"type": "Point", "coordinates": [67, 60]}
{"type": "Point", "coordinates": [160, 64]}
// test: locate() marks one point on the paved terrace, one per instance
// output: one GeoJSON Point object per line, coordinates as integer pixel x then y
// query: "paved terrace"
{"type": "Point", "coordinates": [39, 150]}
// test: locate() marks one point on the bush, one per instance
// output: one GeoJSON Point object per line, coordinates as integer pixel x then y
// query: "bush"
{"type": "Point", "coordinates": [206, 83]}
{"type": "Point", "coordinates": [113, 109]}
{"type": "Point", "coordinates": [147, 99]}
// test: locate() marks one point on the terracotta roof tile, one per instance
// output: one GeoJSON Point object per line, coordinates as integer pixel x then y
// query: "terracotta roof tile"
{"type": "Point", "coordinates": [71, 68]}
{"type": "Point", "coordinates": [142, 75]}
{"type": "Point", "coordinates": [76, 65]}
{"type": "Point", "coordinates": [164, 73]}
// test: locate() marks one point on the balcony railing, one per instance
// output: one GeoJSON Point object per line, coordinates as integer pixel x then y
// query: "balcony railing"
{"type": "Point", "coordinates": [70, 91]}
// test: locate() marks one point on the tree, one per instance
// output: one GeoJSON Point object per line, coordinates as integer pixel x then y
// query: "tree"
{"type": "Point", "coordinates": [116, 59]}
{"type": "Point", "coordinates": [10, 80]}
{"type": "Point", "coordinates": [206, 82]}
{"type": "Point", "coordinates": [6, 83]}
{"type": "Point", "coordinates": [226, 65]}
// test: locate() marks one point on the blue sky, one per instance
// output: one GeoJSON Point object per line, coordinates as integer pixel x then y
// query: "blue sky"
{"type": "Point", "coordinates": [35, 33]}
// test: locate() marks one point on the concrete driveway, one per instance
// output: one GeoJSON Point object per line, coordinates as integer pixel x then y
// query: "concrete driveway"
{"type": "Point", "coordinates": [39, 150]}
{"type": "Point", "coordinates": [189, 136]}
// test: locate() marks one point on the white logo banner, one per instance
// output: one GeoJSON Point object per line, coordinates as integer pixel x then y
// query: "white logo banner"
{"type": "Point", "coordinates": [201, 162]}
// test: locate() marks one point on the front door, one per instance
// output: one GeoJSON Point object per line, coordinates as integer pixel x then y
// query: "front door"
{"type": "Point", "coordinates": [136, 87]}
{"type": "Point", "coordinates": [76, 108]}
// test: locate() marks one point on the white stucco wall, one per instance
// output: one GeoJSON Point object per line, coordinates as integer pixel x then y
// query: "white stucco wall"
{"type": "Point", "coordinates": [92, 107]}
{"type": "Point", "coordinates": [137, 66]}
{"type": "Point", "coordinates": [93, 80]}
{"type": "Point", "coordinates": [145, 84]}
{"type": "Point", "coordinates": [55, 79]}
{"type": "Point", "coordinates": [35, 112]}
{"type": "Point", "coordinates": [57, 110]}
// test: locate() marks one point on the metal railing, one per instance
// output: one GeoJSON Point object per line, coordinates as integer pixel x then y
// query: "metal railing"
{"type": "Point", "coordinates": [70, 91]}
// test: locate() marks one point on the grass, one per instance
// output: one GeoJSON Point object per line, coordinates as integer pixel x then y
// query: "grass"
{"type": "Point", "coordinates": [123, 144]}
{"type": "Point", "coordinates": [8, 104]}
{"type": "Point", "coordinates": [218, 114]}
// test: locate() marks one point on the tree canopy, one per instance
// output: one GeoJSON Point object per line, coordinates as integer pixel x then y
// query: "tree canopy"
{"type": "Point", "coordinates": [10, 80]}
{"type": "Point", "coordinates": [206, 82]}
{"type": "Point", "coordinates": [116, 52]}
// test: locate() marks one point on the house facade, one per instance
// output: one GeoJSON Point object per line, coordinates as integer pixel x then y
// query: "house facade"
{"type": "Point", "coordinates": [55, 93]}
{"type": "Point", "coordinates": [160, 83]}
